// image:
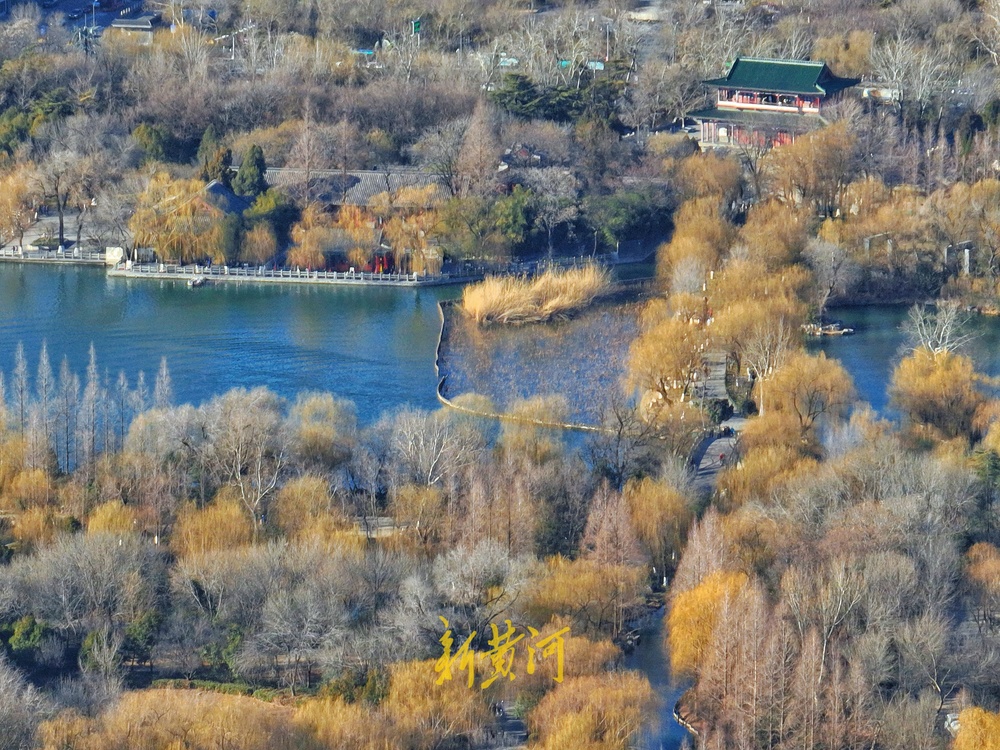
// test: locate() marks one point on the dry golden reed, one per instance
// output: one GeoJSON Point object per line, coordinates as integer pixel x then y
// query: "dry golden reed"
{"type": "Point", "coordinates": [520, 299]}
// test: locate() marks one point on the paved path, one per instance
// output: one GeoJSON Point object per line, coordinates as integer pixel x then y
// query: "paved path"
{"type": "Point", "coordinates": [712, 456]}
{"type": "Point", "coordinates": [222, 274]}
{"type": "Point", "coordinates": [71, 255]}
{"type": "Point", "coordinates": [511, 731]}
{"type": "Point", "coordinates": [716, 388]}
{"type": "Point", "coordinates": [721, 450]}
{"type": "Point", "coordinates": [46, 226]}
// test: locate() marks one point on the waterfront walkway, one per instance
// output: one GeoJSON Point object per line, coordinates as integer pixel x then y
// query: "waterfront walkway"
{"type": "Point", "coordinates": [220, 274]}
{"type": "Point", "coordinates": [463, 272]}
{"type": "Point", "coordinates": [41, 255]}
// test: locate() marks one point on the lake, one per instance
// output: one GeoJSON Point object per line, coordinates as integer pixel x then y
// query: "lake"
{"type": "Point", "coordinates": [582, 359]}
{"type": "Point", "coordinates": [374, 346]}
{"type": "Point", "coordinates": [871, 354]}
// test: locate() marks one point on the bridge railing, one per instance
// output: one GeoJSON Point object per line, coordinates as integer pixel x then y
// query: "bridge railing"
{"type": "Point", "coordinates": [69, 256]}
{"type": "Point", "coordinates": [261, 272]}
{"type": "Point", "coordinates": [461, 270]}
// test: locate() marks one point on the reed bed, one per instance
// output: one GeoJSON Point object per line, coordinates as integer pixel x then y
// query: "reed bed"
{"type": "Point", "coordinates": [508, 300]}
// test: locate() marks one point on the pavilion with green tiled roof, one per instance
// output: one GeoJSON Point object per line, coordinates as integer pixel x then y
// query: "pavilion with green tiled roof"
{"type": "Point", "coordinates": [769, 102]}
{"type": "Point", "coordinates": [806, 77]}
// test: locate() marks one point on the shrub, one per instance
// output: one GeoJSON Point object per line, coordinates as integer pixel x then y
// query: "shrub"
{"type": "Point", "coordinates": [113, 517]}
{"type": "Point", "coordinates": [718, 410]}
{"type": "Point", "coordinates": [220, 525]}
{"type": "Point", "coordinates": [554, 294]}
{"type": "Point", "coordinates": [157, 718]}
{"type": "Point", "coordinates": [365, 685]}
{"type": "Point", "coordinates": [225, 688]}
{"type": "Point", "coordinates": [693, 616]}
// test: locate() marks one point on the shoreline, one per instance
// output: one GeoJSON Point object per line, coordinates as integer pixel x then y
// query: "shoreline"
{"type": "Point", "coordinates": [208, 274]}
{"type": "Point", "coordinates": [54, 258]}
{"type": "Point", "coordinates": [226, 274]}
{"type": "Point", "coordinates": [685, 717]}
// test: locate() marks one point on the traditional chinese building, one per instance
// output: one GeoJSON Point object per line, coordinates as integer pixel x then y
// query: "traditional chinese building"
{"type": "Point", "coordinates": [768, 102]}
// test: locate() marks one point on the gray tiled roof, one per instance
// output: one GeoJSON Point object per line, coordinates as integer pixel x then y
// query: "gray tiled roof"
{"type": "Point", "coordinates": [137, 23]}
{"type": "Point", "coordinates": [225, 199]}
{"type": "Point", "coordinates": [353, 188]}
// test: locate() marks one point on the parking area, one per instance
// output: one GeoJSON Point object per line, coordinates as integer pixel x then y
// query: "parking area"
{"type": "Point", "coordinates": [88, 14]}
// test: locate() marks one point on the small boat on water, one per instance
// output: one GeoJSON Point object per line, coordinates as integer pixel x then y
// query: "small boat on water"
{"type": "Point", "coordinates": [196, 281]}
{"type": "Point", "coordinates": [830, 329]}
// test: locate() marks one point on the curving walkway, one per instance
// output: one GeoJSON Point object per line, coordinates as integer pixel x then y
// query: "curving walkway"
{"type": "Point", "coordinates": [714, 454]}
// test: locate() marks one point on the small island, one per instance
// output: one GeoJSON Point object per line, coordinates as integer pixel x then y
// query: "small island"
{"type": "Point", "coordinates": [555, 294]}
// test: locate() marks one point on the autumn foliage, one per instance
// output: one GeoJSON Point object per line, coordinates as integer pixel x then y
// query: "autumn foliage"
{"type": "Point", "coordinates": [311, 237]}
{"type": "Point", "coordinates": [155, 719]}
{"type": "Point", "coordinates": [693, 616]}
{"type": "Point", "coordinates": [417, 714]}
{"type": "Point", "coordinates": [591, 595]}
{"type": "Point", "coordinates": [661, 515]}
{"type": "Point", "coordinates": [220, 525]}
{"type": "Point", "coordinates": [937, 391]}
{"type": "Point", "coordinates": [602, 712]}
{"type": "Point", "coordinates": [811, 389]}
{"type": "Point", "coordinates": [979, 729]}
{"type": "Point", "coordinates": [553, 294]}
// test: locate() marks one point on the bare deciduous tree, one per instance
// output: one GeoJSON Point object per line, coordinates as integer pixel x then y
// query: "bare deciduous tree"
{"type": "Point", "coordinates": [917, 71]}
{"type": "Point", "coordinates": [438, 149]}
{"type": "Point", "coordinates": [987, 32]}
{"type": "Point", "coordinates": [707, 552]}
{"type": "Point", "coordinates": [833, 268]}
{"type": "Point", "coordinates": [22, 708]}
{"type": "Point", "coordinates": [942, 329]}
{"type": "Point", "coordinates": [766, 345]}
{"type": "Point", "coordinates": [556, 192]}
{"type": "Point", "coordinates": [248, 446]}
{"type": "Point", "coordinates": [430, 446]}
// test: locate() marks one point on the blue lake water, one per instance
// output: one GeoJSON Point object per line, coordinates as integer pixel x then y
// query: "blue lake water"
{"type": "Point", "coordinates": [871, 354]}
{"type": "Point", "coordinates": [374, 346]}
{"type": "Point", "coordinates": [582, 359]}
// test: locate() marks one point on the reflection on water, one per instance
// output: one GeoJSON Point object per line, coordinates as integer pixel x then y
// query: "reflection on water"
{"type": "Point", "coordinates": [373, 346]}
{"type": "Point", "coordinates": [649, 657]}
{"type": "Point", "coordinates": [871, 354]}
{"type": "Point", "coordinates": [582, 359]}
{"type": "Point", "coordinates": [376, 347]}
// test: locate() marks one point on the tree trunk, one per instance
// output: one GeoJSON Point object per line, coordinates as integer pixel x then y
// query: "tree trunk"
{"type": "Point", "coordinates": [60, 207]}
{"type": "Point", "coordinates": [79, 225]}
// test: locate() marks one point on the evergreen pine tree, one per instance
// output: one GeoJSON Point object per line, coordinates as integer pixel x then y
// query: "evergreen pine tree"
{"type": "Point", "coordinates": [209, 145]}
{"type": "Point", "coordinates": [217, 168]}
{"type": "Point", "coordinates": [250, 178]}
